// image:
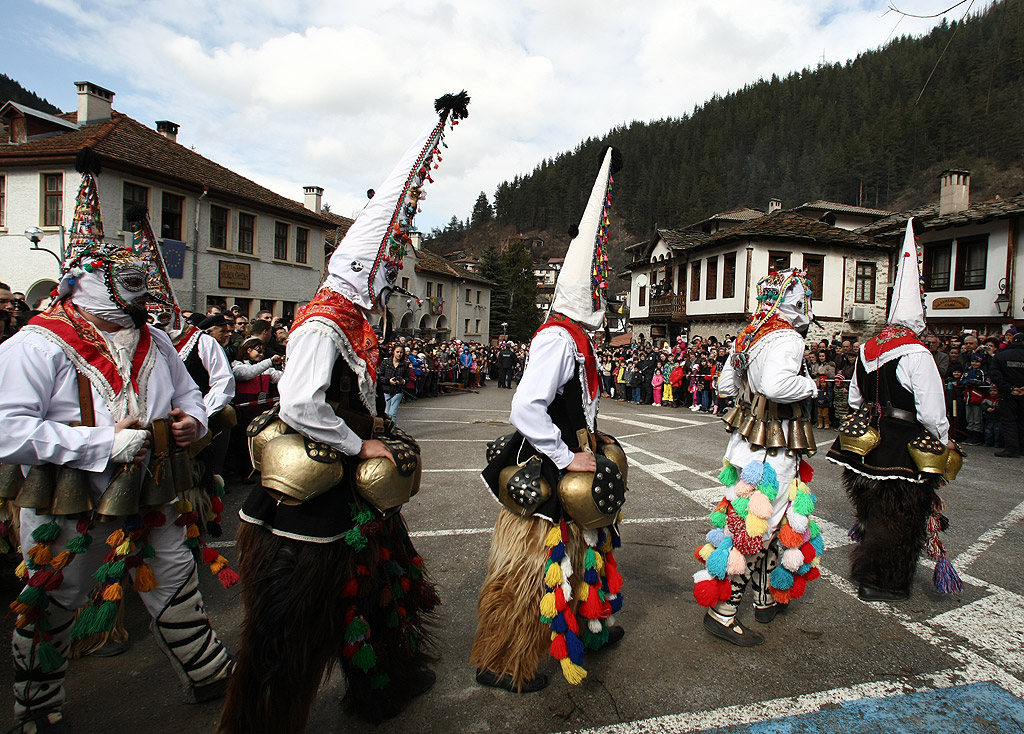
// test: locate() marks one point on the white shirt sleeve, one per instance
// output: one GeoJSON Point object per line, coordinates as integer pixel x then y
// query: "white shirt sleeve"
{"type": "Point", "coordinates": [222, 380]}
{"type": "Point", "coordinates": [729, 380]}
{"type": "Point", "coordinates": [552, 364]}
{"type": "Point", "coordinates": [777, 370]}
{"type": "Point", "coordinates": [918, 373]}
{"type": "Point", "coordinates": [185, 393]}
{"type": "Point", "coordinates": [304, 392]}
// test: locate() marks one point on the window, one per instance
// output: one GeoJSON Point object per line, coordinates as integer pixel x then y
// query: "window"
{"type": "Point", "coordinates": [246, 232]}
{"type": "Point", "coordinates": [468, 294]}
{"type": "Point", "coordinates": [218, 227]}
{"type": "Point", "coordinates": [971, 261]}
{"type": "Point", "coordinates": [132, 195]}
{"type": "Point", "coordinates": [266, 305]}
{"type": "Point", "coordinates": [53, 199]}
{"type": "Point", "coordinates": [864, 291]}
{"type": "Point", "coordinates": [301, 245]}
{"type": "Point", "coordinates": [3, 201]}
{"type": "Point", "coordinates": [477, 331]}
{"type": "Point", "coordinates": [405, 283]}
{"type": "Point", "coordinates": [440, 291]}
{"type": "Point", "coordinates": [695, 281]}
{"type": "Point", "coordinates": [711, 288]}
{"type": "Point", "coordinates": [430, 289]}
{"type": "Point", "coordinates": [467, 327]}
{"type": "Point", "coordinates": [938, 256]}
{"type": "Point", "coordinates": [729, 275]}
{"type": "Point", "coordinates": [478, 297]}
{"type": "Point", "coordinates": [815, 267]}
{"type": "Point", "coordinates": [287, 311]}
{"type": "Point", "coordinates": [643, 296]}
{"type": "Point", "coordinates": [777, 261]}
{"type": "Point", "coordinates": [170, 216]}
{"type": "Point", "coordinates": [280, 241]}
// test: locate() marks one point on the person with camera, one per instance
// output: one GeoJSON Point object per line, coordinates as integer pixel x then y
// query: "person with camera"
{"type": "Point", "coordinates": [394, 375]}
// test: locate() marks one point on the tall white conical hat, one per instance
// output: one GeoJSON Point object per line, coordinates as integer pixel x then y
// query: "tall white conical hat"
{"type": "Point", "coordinates": [907, 308]}
{"type": "Point", "coordinates": [582, 285]}
{"type": "Point", "coordinates": [365, 265]}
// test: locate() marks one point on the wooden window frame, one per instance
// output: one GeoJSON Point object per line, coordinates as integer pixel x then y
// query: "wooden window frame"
{"type": "Point", "coordinates": [52, 195]}
{"type": "Point", "coordinates": [282, 231]}
{"type": "Point", "coordinates": [247, 248]}
{"type": "Point", "coordinates": [866, 278]}
{"type": "Point", "coordinates": [711, 286]}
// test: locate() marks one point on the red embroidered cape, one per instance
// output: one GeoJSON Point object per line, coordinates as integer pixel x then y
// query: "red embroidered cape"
{"type": "Point", "coordinates": [890, 338]}
{"type": "Point", "coordinates": [583, 345]}
{"type": "Point", "coordinates": [344, 314]}
{"type": "Point", "coordinates": [77, 334]}
{"type": "Point", "coordinates": [746, 340]}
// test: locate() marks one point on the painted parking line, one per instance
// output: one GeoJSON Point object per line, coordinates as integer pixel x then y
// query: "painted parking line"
{"type": "Point", "coordinates": [988, 538]}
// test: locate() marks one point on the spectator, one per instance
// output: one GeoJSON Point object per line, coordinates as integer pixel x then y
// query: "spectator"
{"type": "Point", "coordinates": [824, 373]}
{"type": "Point", "coordinates": [975, 387]}
{"type": "Point", "coordinates": [1008, 375]}
{"type": "Point", "coordinates": [7, 312]}
{"type": "Point", "coordinates": [393, 376]}
{"type": "Point", "coordinates": [941, 358]}
{"type": "Point", "coordinates": [990, 417]}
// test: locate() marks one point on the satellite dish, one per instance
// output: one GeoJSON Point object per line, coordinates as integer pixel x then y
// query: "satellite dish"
{"type": "Point", "coordinates": [641, 280]}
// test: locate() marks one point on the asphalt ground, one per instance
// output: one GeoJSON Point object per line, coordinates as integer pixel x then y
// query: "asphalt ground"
{"type": "Point", "coordinates": [933, 663]}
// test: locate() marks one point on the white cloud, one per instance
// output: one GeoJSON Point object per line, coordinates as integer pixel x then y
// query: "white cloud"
{"type": "Point", "coordinates": [295, 92]}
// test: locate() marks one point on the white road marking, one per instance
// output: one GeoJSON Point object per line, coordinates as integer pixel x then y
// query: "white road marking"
{"type": "Point", "coordinates": [990, 536]}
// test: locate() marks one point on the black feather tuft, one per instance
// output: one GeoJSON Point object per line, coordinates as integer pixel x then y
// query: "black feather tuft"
{"type": "Point", "coordinates": [616, 158]}
{"type": "Point", "coordinates": [136, 213]}
{"type": "Point", "coordinates": [456, 105]}
{"type": "Point", "coordinates": [87, 161]}
{"type": "Point", "coordinates": [573, 230]}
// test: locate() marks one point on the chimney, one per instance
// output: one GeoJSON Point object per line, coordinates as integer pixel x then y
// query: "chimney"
{"type": "Point", "coordinates": [774, 205]}
{"type": "Point", "coordinates": [94, 103]}
{"type": "Point", "coordinates": [954, 191]}
{"type": "Point", "coordinates": [313, 196]}
{"type": "Point", "coordinates": [168, 129]}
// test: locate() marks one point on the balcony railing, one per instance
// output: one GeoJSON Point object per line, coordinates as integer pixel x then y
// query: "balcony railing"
{"type": "Point", "coordinates": [671, 307]}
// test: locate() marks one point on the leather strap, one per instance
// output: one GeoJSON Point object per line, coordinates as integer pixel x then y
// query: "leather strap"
{"type": "Point", "coordinates": [85, 401]}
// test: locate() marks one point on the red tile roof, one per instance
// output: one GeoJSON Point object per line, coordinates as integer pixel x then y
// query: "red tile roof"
{"type": "Point", "coordinates": [431, 263]}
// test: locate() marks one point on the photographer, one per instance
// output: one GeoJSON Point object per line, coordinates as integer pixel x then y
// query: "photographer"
{"type": "Point", "coordinates": [394, 374]}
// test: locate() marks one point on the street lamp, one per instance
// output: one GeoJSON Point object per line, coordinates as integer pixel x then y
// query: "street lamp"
{"type": "Point", "coordinates": [1003, 301]}
{"type": "Point", "coordinates": [35, 236]}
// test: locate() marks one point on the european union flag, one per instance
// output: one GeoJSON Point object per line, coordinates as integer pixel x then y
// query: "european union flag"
{"type": "Point", "coordinates": [174, 257]}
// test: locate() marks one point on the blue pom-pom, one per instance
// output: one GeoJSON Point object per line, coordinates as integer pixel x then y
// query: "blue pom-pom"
{"type": "Point", "coordinates": [590, 576]}
{"type": "Point", "coordinates": [781, 579]}
{"type": "Point", "coordinates": [558, 552]}
{"type": "Point", "coordinates": [819, 544]}
{"type": "Point", "coordinates": [616, 604]}
{"type": "Point", "coordinates": [752, 472]}
{"type": "Point", "coordinates": [572, 642]}
{"type": "Point", "coordinates": [132, 523]}
{"type": "Point", "coordinates": [558, 625]}
{"type": "Point", "coordinates": [769, 475]}
{"type": "Point", "coordinates": [715, 536]}
{"type": "Point", "coordinates": [803, 569]}
{"type": "Point", "coordinates": [718, 561]}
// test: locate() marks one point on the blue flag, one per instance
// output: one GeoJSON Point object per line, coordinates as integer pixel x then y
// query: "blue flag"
{"type": "Point", "coordinates": [174, 257]}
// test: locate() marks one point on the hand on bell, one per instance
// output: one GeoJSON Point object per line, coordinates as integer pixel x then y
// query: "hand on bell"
{"type": "Point", "coordinates": [184, 428]}
{"type": "Point", "coordinates": [123, 445]}
{"type": "Point", "coordinates": [583, 461]}
{"type": "Point", "coordinates": [373, 448]}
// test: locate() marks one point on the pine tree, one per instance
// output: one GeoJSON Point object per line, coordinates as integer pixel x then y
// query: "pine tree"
{"type": "Point", "coordinates": [482, 211]}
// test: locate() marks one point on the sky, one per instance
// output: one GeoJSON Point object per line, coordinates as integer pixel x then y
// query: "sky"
{"type": "Point", "coordinates": [292, 93]}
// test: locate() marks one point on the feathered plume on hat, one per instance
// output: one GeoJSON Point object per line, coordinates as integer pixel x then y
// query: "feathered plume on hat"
{"type": "Point", "coordinates": [161, 293]}
{"type": "Point", "coordinates": [907, 307]}
{"type": "Point", "coordinates": [365, 265]}
{"type": "Point", "coordinates": [581, 291]}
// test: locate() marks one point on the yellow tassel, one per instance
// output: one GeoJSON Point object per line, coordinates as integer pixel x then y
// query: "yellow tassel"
{"type": "Point", "coordinates": [21, 571]}
{"type": "Point", "coordinates": [794, 487]}
{"type": "Point", "coordinates": [113, 593]}
{"type": "Point", "coordinates": [115, 538]}
{"type": "Point", "coordinates": [125, 548]}
{"type": "Point", "coordinates": [553, 577]}
{"type": "Point", "coordinates": [599, 563]}
{"type": "Point", "coordinates": [584, 593]}
{"type": "Point", "coordinates": [218, 564]}
{"type": "Point", "coordinates": [756, 526]}
{"type": "Point", "coordinates": [706, 550]}
{"type": "Point", "coordinates": [547, 605]}
{"type": "Point", "coordinates": [816, 561]}
{"type": "Point", "coordinates": [22, 622]}
{"type": "Point", "coordinates": [60, 560]}
{"type": "Point", "coordinates": [573, 674]}
{"type": "Point", "coordinates": [192, 532]}
{"type": "Point", "coordinates": [144, 578]}
{"type": "Point", "coordinates": [40, 554]}
{"type": "Point", "coordinates": [554, 537]}
{"type": "Point", "coordinates": [19, 607]}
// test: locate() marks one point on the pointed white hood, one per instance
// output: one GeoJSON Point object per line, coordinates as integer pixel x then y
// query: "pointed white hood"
{"type": "Point", "coordinates": [907, 308]}
{"type": "Point", "coordinates": [365, 265]}
{"type": "Point", "coordinates": [581, 288]}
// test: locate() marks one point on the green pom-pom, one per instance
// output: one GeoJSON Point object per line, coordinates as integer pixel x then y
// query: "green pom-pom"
{"type": "Point", "coordinates": [718, 519]}
{"type": "Point", "coordinates": [393, 619]}
{"type": "Point", "coordinates": [105, 615]}
{"type": "Point", "coordinates": [589, 559]}
{"type": "Point", "coordinates": [415, 573]}
{"type": "Point", "coordinates": [365, 658]}
{"type": "Point", "coordinates": [546, 620]}
{"type": "Point", "coordinates": [803, 504]}
{"type": "Point", "coordinates": [768, 490]}
{"type": "Point", "coordinates": [79, 544]}
{"type": "Point", "coordinates": [595, 640]}
{"type": "Point", "coordinates": [355, 538]}
{"type": "Point", "coordinates": [379, 681]}
{"type": "Point", "coordinates": [48, 657]}
{"type": "Point", "coordinates": [46, 533]}
{"type": "Point", "coordinates": [101, 573]}
{"type": "Point", "coordinates": [191, 543]}
{"type": "Point", "coordinates": [85, 623]}
{"type": "Point", "coordinates": [33, 596]}
{"type": "Point", "coordinates": [728, 476]}
{"type": "Point", "coordinates": [814, 529]}
{"type": "Point", "coordinates": [116, 569]}
{"type": "Point", "coordinates": [740, 505]}
{"type": "Point", "coordinates": [148, 551]}
{"type": "Point", "coordinates": [356, 630]}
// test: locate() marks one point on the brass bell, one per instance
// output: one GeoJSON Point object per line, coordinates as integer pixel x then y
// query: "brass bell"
{"type": "Point", "coordinates": [618, 457]}
{"type": "Point", "coordinates": [812, 446]}
{"type": "Point", "coordinates": [37, 489]}
{"type": "Point", "coordinates": [759, 435]}
{"type": "Point", "coordinates": [121, 497]}
{"type": "Point", "coordinates": [797, 443]}
{"type": "Point", "coordinates": [258, 441]}
{"type": "Point", "coordinates": [158, 486]}
{"type": "Point", "coordinates": [732, 418]}
{"type": "Point", "coordinates": [11, 480]}
{"type": "Point", "coordinates": [775, 436]}
{"type": "Point", "coordinates": [747, 425]}
{"type": "Point", "coordinates": [73, 493]}
{"type": "Point", "coordinates": [181, 470]}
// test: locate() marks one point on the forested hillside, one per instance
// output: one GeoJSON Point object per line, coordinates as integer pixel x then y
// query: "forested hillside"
{"type": "Point", "coordinates": [874, 131]}
{"type": "Point", "coordinates": [11, 91]}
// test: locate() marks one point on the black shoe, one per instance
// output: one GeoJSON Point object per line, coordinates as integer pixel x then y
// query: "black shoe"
{"type": "Point", "coordinates": [487, 678]}
{"type": "Point", "coordinates": [422, 681]}
{"type": "Point", "coordinates": [870, 593]}
{"type": "Point", "coordinates": [734, 633]}
{"type": "Point", "coordinates": [615, 634]}
{"type": "Point", "coordinates": [764, 615]}
{"type": "Point", "coordinates": [1006, 454]}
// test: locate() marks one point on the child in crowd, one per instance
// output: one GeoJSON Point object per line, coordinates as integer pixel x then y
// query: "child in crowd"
{"type": "Point", "coordinates": [990, 417]}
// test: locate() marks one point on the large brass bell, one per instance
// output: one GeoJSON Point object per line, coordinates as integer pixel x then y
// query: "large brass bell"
{"type": "Point", "coordinates": [797, 443]}
{"type": "Point", "coordinates": [747, 424]}
{"type": "Point", "coordinates": [775, 436]}
{"type": "Point", "coordinates": [273, 429]}
{"type": "Point", "coordinates": [617, 456]}
{"type": "Point", "coordinates": [733, 418]}
{"type": "Point", "coordinates": [73, 493]}
{"type": "Point", "coordinates": [759, 435]}
{"type": "Point", "coordinates": [121, 497]}
{"type": "Point", "coordinates": [181, 470]}
{"type": "Point", "coordinates": [11, 480]}
{"type": "Point", "coordinates": [812, 446]}
{"type": "Point", "coordinates": [37, 489]}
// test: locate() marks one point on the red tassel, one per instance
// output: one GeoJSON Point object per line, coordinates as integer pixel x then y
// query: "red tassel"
{"type": "Point", "coordinates": [216, 505]}
{"type": "Point", "coordinates": [806, 472]}
{"type": "Point", "coordinates": [209, 555]}
{"type": "Point", "coordinates": [559, 599]}
{"type": "Point", "coordinates": [812, 574]}
{"type": "Point", "coordinates": [228, 577]}
{"type": "Point", "coordinates": [798, 588]}
{"type": "Point", "coordinates": [559, 651]}
{"type": "Point", "coordinates": [571, 623]}
{"type": "Point", "coordinates": [154, 519]}
{"type": "Point", "coordinates": [724, 589]}
{"type": "Point", "coordinates": [55, 581]}
{"type": "Point", "coordinates": [809, 552]}
{"type": "Point", "coordinates": [611, 570]}
{"type": "Point", "coordinates": [385, 554]}
{"type": "Point", "coordinates": [706, 592]}
{"type": "Point", "coordinates": [351, 588]}
{"type": "Point", "coordinates": [591, 608]}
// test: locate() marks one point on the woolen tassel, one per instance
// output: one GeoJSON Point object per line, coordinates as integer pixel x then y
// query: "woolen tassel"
{"type": "Point", "coordinates": [798, 587]}
{"type": "Point", "coordinates": [192, 532]}
{"type": "Point", "coordinates": [573, 674]}
{"type": "Point", "coordinates": [40, 554]}
{"type": "Point", "coordinates": [756, 526]}
{"type": "Point", "coordinates": [793, 558]}
{"type": "Point", "coordinates": [21, 571]}
{"type": "Point", "coordinates": [49, 658]}
{"type": "Point", "coordinates": [743, 488]}
{"type": "Point", "coordinates": [806, 472]}
{"type": "Point", "coordinates": [228, 577]}
{"type": "Point", "coordinates": [728, 475]}
{"type": "Point", "coordinates": [209, 555]}
{"type": "Point", "coordinates": [115, 538]}
{"type": "Point", "coordinates": [946, 579]}
{"type": "Point", "coordinates": [737, 563]}
{"type": "Point", "coordinates": [769, 476]}
{"type": "Point", "coordinates": [79, 544]}
{"type": "Point", "coordinates": [789, 537]}
{"type": "Point", "coordinates": [559, 651]}
{"type": "Point", "coordinates": [547, 606]}
{"type": "Point", "coordinates": [760, 505]}
{"type": "Point", "coordinates": [591, 608]}
{"type": "Point", "coordinates": [114, 592]}
{"type": "Point", "coordinates": [60, 560]}
{"type": "Point", "coordinates": [554, 537]}
{"type": "Point", "coordinates": [575, 647]}
{"type": "Point", "coordinates": [614, 578]}
{"type": "Point", "coordinates": [553, 576]}
{"type": "Point", "coordinates": [365, 658]}
{"type": "Point", "coordinates": [144, 579]}
{"type": "Point", "coordinates": [46, 533]}
{"type": "Point", "coordinates": [752, 473]}
{"type": "Point", "coordinates": [105, 615]}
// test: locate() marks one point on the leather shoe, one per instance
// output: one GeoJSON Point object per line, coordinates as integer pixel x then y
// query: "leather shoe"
{"type": "Point", "coordinates": [870, 593]}
{"type": "Point", "coordinates": [489, 678]}
{"type": "Point", "coordinates": [1006, 454]}
{"type": "Point", "coordinates": [764, 615]}
{"type": "Point", "coordinates": [734, 633]}
{"type": "Point", "coordinates": [615, 634]}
